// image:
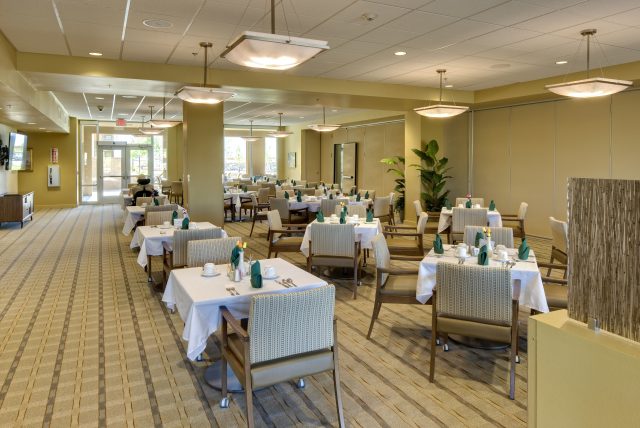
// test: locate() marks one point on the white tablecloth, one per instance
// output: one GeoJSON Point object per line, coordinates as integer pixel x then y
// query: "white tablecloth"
{"type": "Point", "coordinates": [134, 214]}
{"type": "Point", "coordinates": [365, 232]}
{"type": "Point", "coordinates": [128, 200]}
{"type": "Point", "coordinates": [198, 299]}
{"type": "Point", "coordinates": [494, 217]}
{"type": "Point", "coordinates": [151, 238]}
{"type": "Point", "coordinates": [527, 272]}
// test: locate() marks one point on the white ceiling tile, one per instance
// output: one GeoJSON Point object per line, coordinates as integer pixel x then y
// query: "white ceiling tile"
{"type": "Point", "coordinates": [554, 21]}
{"type": "Point", "coordinates": [451, 34]}
{"type": "Point", "coordinates": [511, 13]}
{"type": "Point", "coordinates": [630, 17]}
{"type": "Point", "coordinates": [554, 4]}
{"type": "Point", "coordinates": [409, 4]}
{"type": "Point", "coordinates": [420, 22]}
{"type": "Point", "coordinates": [86, 37]}
{"type": "Point", "coordinates": [387, 36]}
{"type": "Point", "coordinates": [152, 37]}
{"type": "Point", "coordinates": [460, 8]}
{"type": "Point", "coordinates": [145, 52]}
{"type": "Point", "coordinates": [628, 38]}
{"type": "Point", "coordinates": [595, 9]}
{"type": "Point", "coordinates": [182, 8]}
{"type": "Point", "coordinates": [42, 35]}
{"type": "Point", "coordinates": [603, 27]}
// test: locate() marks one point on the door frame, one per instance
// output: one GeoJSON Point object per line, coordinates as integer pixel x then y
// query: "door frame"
{"type": "Point", "coordinates": [126, 166]}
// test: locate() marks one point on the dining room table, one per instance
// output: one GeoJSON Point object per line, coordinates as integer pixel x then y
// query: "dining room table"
{"type": "Point", "coordinates": [525, 272]}
{"type": "Point", "coordinates": [151, 239]}
{"type": "Point", "coordinates": [446, 218]}
{"type": "Point", "coordinates": [365, 232]}
{"type": "Point", "coordinates": [133, 214]}
{"type": "Point", "coordinates": [198, 300]}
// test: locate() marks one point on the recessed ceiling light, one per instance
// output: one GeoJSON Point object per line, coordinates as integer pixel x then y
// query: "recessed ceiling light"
{"type": "Point", "coordinates": [561, 62]}
{"type": "Point", "coordinates": [99, 98]}
{"type": "Point", "coordinates": [400, 53]}
{"type": "Point", "coordinates": [129, 96]}
{"type": "Point", "coordinates": [448, 86]}
{"type": "Point", "coordinates": [157, 23]}
{"type": "Point", "coordinates": [301, 117]}
{"type": "Point", "coordinates": [123, 114]}
{"type": "Point", "coordinates": [334, 110]}
{"type": "Point", "coordinates": [95, 53]}
{"type": "Point", "coordinates": [40, 128]}
{"type": "Point", "coordinates": [31, 123]}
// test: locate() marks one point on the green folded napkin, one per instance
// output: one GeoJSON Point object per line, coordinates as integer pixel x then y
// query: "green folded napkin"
{"type": "Point", "coordinates": [437, 245]}
{"type": "Point", "coordinates": [523, 250]}
{"type": "Point", "coordinates": [479, 236]}
{"type": "Point", "coordinates": [468, 204]}
{"type": "Point", "coordinates": [185, 223]}
{"type": "Point", "coordinates": [316, 187]}
{"type": "Point", "coordinates": [174, 216]}
{"type": "Point", "coordinates": [343, 217]}
{"type": "Point", "coordinates": [277, 182]}
{"type": "Point", "coordinates": [351, 192]}
{"type": "Point", "coordinates": [299, 197]}
{"type": "Point", "coordinates": [366, 195]}
{"type": "Point", "coordinates": [256, 275]}
{"type": "Point", "coordinates": [235, 257]}
{"type": "Point", "coordinates": [244, 188]}
{"type": "Point", "coordinates": [344, 209]}
{"type": "Point", "coordinates": [369, 216]}
{"type": "Point", "coordinates": [492, 206]}
{"type": "Point", "coordinates": [320, 217]}
{"type": "Point", "coordinates": [156, 202]}
{"type": "Point", "coordinates": [332, 187]}
{"type": "Point", "coordinates": [286, 194]}
{"type": "Point", "coordinates": [447, 204]}
{"type": "Point", "coordinates": [331, 195]}
{"type": "Point", "coordinates": [483, 256]}
{"type": "Point", "coordinates": [358, 198]}
{"type": "Point", "coordinates": [293, 182]}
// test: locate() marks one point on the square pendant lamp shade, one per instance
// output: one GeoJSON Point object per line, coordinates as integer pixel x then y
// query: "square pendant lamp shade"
{"type": "Point", "coordinates": [280, 132]}
{"type": "Point", "coordinates": [203, 94]}
{"type": "Point", "coordinates": [164, 123]}
{"type": "Point", "coordinates": [324, 126]}
{"type": "Point", "coordinates": [440, 110]}
{"type": "Point", "coordinates": [151, 130]}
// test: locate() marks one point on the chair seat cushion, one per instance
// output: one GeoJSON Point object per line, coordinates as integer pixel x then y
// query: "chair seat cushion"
{"type": "Point", "coordinates": [497, 333]}
{"type": "Point", "coordinates": [557, 295]}
{"type": "Point", "coordinates": [332, 261]}
{"type": "Point", "coordinates": [400, 285]}
{"type": "Point", "coordinates": [287, 241]}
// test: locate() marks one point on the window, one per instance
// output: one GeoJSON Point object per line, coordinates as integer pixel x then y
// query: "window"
{"type": "Point", "coordinates": [271, 156]}
{"type": "Point", "coordinates": [235, 157]}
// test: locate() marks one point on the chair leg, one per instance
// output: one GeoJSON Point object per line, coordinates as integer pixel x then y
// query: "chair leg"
{"type": "Point", "coordinates": [374, 316]}
{"type": "Point", "coordinates": [249, 396]}
{"type": "Point", "coordinates": [434, 339]}
{"type": "Point", "coordinates": [336, 377]}
{"type": "Point", "coordinates": [355, 280]}
{"type": "Point", "coordinates": [252, 225]}
{"type": "Point", "coordinates": [224, 401]}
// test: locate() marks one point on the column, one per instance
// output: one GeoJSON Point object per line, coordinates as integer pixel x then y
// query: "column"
{"type": "Point", "coordinates": [412, 140]}
{"type": "Point", "coordinates": [203, 155]}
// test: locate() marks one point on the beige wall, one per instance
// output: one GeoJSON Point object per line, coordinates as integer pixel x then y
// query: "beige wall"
{"type": "Point", "coordinates": [292, 143]}
{"type": "Point", "coordinates": [174, 153]}
{"type": "Point", "coordinates": [8, 179]}
{"type": "Point", "coordinates": [67, 194]}
{"type": "Point", "coordinates": [526, 153]}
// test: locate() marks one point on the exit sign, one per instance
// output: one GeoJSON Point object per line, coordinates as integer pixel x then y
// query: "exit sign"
{"type": "Point", "coordinates": [121, 122]}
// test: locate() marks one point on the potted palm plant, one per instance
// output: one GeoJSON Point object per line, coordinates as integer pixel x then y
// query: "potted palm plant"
{"type": "Point", "coordinates": [433, 175]}
{"type": "Point", "coordinates": [396, 164]}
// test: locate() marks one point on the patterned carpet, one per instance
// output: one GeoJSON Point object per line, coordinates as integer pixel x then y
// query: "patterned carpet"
{"type": "Point", "coordinates": [86, 342]}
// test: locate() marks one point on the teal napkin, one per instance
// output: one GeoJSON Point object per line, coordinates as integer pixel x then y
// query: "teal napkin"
{"type": "Point", "coordinates": [366, 195]}
{"type": "Point", "coordinates": [316, 187]}
{"type": "Point", "coordinates": [468, 204]}
{"type": "Point", "coordinates": [343, 217]}
{"type": "Point", "coordinates": [447, 204]}
{"type": "Point", "coordinates": [358, 198]}
{"type": "Point", "coordinates": [185, 223]}
{"type": "Point", "coordinates": [437, 245]}
{"type": "Point", "coordinates": [331, 195]}
{"type": "Point", "coordinates": [174, 216]}
{"type": "Point", "coordinates": [286, 194]}
{"type": "Point", "coordinates": [344, 209]}
{"type": "Point", "coordinates": [256, 275]}
{"type": "Point", "coordinates": [244, 188]}
{"type": "Point", "coordinates": [479, 236]}
{"type": "Point", "coordinates": [293, 182]}
{"type": "Point", "coordinates": [483, 256]}
{"type": "Point", "coordinates": [156, 202]}
{"type": "Point", "coordinates": [492, 206]}
{"type": "Point", "coordinates": [306, 185]}
{"type": "Point", "coordinates": [235, 257]}
{"type": "Point", "coordinates": [523, 250]}
{"type": "Point", "coordinates": [277, 182]}
{"type": "Point", "coordinates": [299, 197]}
{"type": "Point", "coordinates": [369, 216]}
{"type": "Point", "coordinates": [351, 192]}
{"type": "Point", "coordinates": [320, 217]}
{"type": "Point", "coordinates": [332, 187]}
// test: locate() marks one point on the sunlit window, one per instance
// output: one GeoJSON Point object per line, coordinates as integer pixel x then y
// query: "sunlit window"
{"type": "Point", "coordinates": [235, 157]}
{"type": "Point", "coordinates": [271, 156]}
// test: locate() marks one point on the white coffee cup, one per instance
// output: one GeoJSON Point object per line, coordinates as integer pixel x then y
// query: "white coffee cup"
{"type": "Point", "coordinates": [475, 251]}
{"type": "Point", "coordinates": [461, 251]}
{"type": "Point", "coordinates": [460, 205]}
{"type": "Point", "coordinates": [503, 255]}
{"type": "Point", "coordinates": [209, 268]}
{"type": "Point", "coordinates": [269, 271]}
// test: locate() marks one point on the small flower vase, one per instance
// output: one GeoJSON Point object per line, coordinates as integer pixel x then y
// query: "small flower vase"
{"type": "Point", "coordinates": [489, 246]}
{"type": "Point", "coordinates": [241, 265]}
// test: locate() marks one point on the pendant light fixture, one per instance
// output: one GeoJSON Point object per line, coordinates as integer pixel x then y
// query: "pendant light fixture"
{"type": "Point", "coordinates": [441, 110]}
{"type": "Point", "coordinates": [151, 130]}
{"type": "Point", "coordinates": [280, 133]}
{"type": "Point", "coordinates": [163, 123]}
{"type": "Point", "coordinates": [203, 94]}
{"type": "Point", "coordinates": [272, 51]}
{"type": "Point", "coordinates": [591, 86]}
{"type": "Point", "coordinates": [324, 126]}
{"type": "Point", "coordinates": [250, 138]}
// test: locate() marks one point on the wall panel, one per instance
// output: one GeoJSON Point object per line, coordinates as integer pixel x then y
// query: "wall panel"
{"type": "Point", "coordinates": [625, 141]}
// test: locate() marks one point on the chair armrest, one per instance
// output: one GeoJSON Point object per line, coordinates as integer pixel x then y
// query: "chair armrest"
{"type": "Point", "coordinates": [509, 216]}
{"type": "Point", "coordinates": [552, 265]}
{"type": "Point", "coordinates": [294, 226]}
{"type": "Point", "coordinates": [415, 234]}
{"type": "Point", "coordinates": [234, 323]}
{"type": "Point", "coordinates": [390, 227]}
{"type": "Point", "coordinates": [407, 258]}
{"type": "Point", "coordinates": [549, 280]}
{"type": "Point", "coordinates": [397, 271]}
{"type": "Point", "coordinates": [285, 231]}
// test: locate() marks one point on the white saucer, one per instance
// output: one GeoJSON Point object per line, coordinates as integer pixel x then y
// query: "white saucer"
{"type": "Point", "coordinates": [270, 277]}
{"type": "Point", "coordinates": [210, 275]}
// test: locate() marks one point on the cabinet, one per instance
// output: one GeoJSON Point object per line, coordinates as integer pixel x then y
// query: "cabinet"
{"type": "Point", "coordinates": [16, 207]}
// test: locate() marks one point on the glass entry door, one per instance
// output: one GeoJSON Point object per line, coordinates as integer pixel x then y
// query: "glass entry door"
{"type": "Point", "coordinates": [120, 165]}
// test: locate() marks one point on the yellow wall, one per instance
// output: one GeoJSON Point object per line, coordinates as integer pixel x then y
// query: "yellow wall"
{"type": "Point", "coordinates": [292, 144]}
{"type": "Point", "coordinates": [36, 180]}
{"type": "Point", "coordinates": [174, 153]}
{"type": "Point", "coordinates": [8, 179]}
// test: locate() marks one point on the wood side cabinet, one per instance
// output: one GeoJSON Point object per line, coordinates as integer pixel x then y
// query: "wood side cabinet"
{"type": "Point", "coordinates": [16, 207]}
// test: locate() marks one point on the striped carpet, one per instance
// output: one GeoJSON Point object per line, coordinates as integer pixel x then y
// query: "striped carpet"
{"type": "Point", "coordinates": [86, 342]}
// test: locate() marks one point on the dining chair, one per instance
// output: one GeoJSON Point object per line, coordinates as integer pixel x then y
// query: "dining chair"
{"type": "Point", "coordinates": [555, 286]}
{"type": "Point", "coordinates": [286, 213]}
{"type": "Point", "coordinates": [289, 336]}
{"type": "Point", "coordinates": [156, 218]}
{"type": "Point", "coordinates": [418, 207]}
{"type": "Point", "coordinates": [263, 195]}
{"type": "Point", "coordinates": [559, 241]}
{"type": "Point", "coordinates": [363, 192]}
{"type": "Point", "coordinates": [144, 200]}
{"type": "Point", "coordinates": [393, 284]}
{"type": "Point", "coordinates": [168, 207]}
{"type": "Point", "coordinates": [359, 210]}
{"type": "Point", "coordinates": [280, 194]}
{"type": "Point", "coordinates": [381, 208]}
{"type": "Point", "coordinates": [411, 242]}
{"type": "Point", "coordinates": [282, 237]}
{"type": "Point", "coordinates": [474, 201]}
{"type": "Point", "coordinates": [176, 191]}
{"type": "Point", "coordinates": [312, 184]}
{"type": "Point", "coordinates": [174, 255]}
{"type": "Point", "coordinates": [165, 187]}
{"type": "Point", "coordinates": [335, 245]}
{"type": "Point", "coordinates": [392, 211]}
{"type": "Point", "coordinates": [216, 251]}
{"type": "Point", "coordinates": [434, 218]}
{"type": "Point", "coordinates": [463, 217]}
{"type": "Point", "coordinates": [475, 301]}
{"type": "Point", "coordinates": [318, 192]}
{"type": "Point", "coordinates": [328, 206]}
{"type": "Point", "coordinates": [253, 187]}
{"type": "Point", "coordinates": [258, 212]}
{"type": "Point", "coordinates": [501, 235]}
{"type": "Point", "coordinates": [516, 221]}
{"type": "Point", "coordinates": [229, 207]}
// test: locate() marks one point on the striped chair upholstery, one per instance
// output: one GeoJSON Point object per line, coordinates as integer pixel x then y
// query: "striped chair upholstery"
{"type": "Point", "coordinates": [474, 201]}
{"type": "Point", "coordinates": [328, 206]}
{"type": "Point", "coordinates": [282, 206]}
{"type": "Point", "coordinates": [143, 200]}
{"type": "Point", "coordinates": [253, 188]}
{"type": "Point", "coordinates": [280, 194]}
{"type": "Point", "coordinates": [182, 237]}
{"type": "Point", "coordinates": [168, 207]}
{"type": "Point", "coordinates": [154, 218]}
{"type": "Point", "coordinates": [263, 195]}
{"type": "Point", "coordinates": [501, 235]}
{"type": "Point", "coordinates": [216, 251]}
{"type": "Point", "coordinates": [283, 241]}
{"type": "Point", "coordinates": [468, 217]}
{"type": "Point", "coordinates": [277, 332]}
{"type": "Point", "coordinates": [360, 210]}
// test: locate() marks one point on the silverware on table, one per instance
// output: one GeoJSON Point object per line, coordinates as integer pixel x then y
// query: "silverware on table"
{"type": "Point", "coordinates": [290, 282]}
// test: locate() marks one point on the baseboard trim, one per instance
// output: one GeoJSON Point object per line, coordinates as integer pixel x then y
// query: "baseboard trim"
{"type": "Point", "coordinates": [37, 207]}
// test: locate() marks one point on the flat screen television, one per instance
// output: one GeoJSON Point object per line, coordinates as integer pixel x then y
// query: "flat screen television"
{"type": "Point", "coordinates": [17, 151]}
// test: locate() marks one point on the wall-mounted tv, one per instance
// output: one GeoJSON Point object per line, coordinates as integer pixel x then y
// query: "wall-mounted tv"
{"type": "Point", "coordinates": [17, 152]}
